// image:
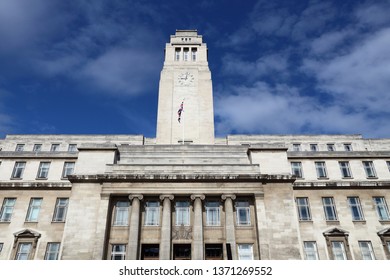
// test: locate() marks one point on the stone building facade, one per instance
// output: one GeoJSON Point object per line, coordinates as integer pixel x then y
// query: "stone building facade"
{"type": "Point", "coordinates": [188, 195]}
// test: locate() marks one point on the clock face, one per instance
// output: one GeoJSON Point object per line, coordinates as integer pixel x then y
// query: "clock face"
{"type": "Point", "coordinates": [185, 79]}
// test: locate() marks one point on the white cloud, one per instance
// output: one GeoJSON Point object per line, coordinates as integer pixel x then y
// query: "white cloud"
{"type": "Point", "coordinates": [328, 42]}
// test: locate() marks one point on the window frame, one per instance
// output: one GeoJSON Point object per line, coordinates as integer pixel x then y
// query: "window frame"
{"type": "Point", "coordinates": [330, 147]}
{"type": "Point", "coordinates": [245, 253]}
{"type": "Point", "coordinates": [118, 253]}
{"type": "Point", "coordinates": [37, 147]}
{"type": "Point", "coordinates": [329, 205]}
{"type": "Point", "coordinates": [369, 169]}
{"type": "Point", "coordinates": [50, 252]}
{"type": "Point", "coordinates": [335, 250]}
{"type": "Point", "coordinates": [7, 209]}
{"type": "Point", "coordinates": [213, 213]}
{"type": "Point", "coordinates": [18, 252]}
{"type": "Point", "coordinates": [60, 217]}
{"type": "Point", "coordinates": [297, 147]}
{"type": "Point", "coordinates": [348, 147]}
{"type": "Point", "coordinates": [297, 170]}
{"type": "Point", "coordinates": [370, 251]}
{"type": "Point", "coordinates": [72, 148]}
{"type": "Point", "coordinates": [43, 170]}
{"type": "Point", "coordinates": [243, 207]}
{"type": "Point", "coordinates": [313, 147]}
{"type": "Point", "coordinates": [305, 206]}
{"type": "Point", "coordinates": [345, 169]}
{"type": "Point", "coordinates": [321, 168]}
{"type": "Point", "coordinates": [17, 172]}
{"type": "Point", "coordinates": [356, 205]}
{"type": "Point", "coordinates": [34, 210]}
{"type": "Point", "coordinates": [54, 147]}
{"type": "Point", "coordinates": [152, 213]}
{"type": "Point", "coordinates": [182, 213]}
{"type": "Point", "coordinates": [382, 206]}
{"type": "Point", "coordinates": [65, 169]}
{"type": "Point", "coordinates": [121, 213]}
{"type": "Point", "coordinates": [310, 251]}
{"type": "Point", "coordinates": [19, 147]}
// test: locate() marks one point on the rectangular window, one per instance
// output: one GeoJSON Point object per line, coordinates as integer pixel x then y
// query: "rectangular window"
{"type": "Point", "coordinates": [338, 250]}
{"type": "Point", "coordinates": [329, 208]}
{"type": "Point", "coordinates": [23, 252]}
{"type": "Point", "coordinates": [321, 169]}
{"type": "Point", "coordinates": [17, 173]}
{"type": "Point", "coordinates": [381, 208]}
{"type": "Point", "coordinates": [68, 169]}
{"type": "Point", "coordinates": [213, 213]}
{"type": "Point", "coordinates": [245, 251]}
{"type": "Point", "coordinates": [345, 170]}
{"type": "Point", "coordinates": [181, 251]}
{"type": "Point", "coordinates": [152, 213]}
{"type": "Point", "coordinates": [43, 170]}
{"type": "Point", "coordinates": [348, 147]}
{"type": "Point", "coordinates": [150, 252]}
{"type": "Point", "coordinates": [19, 148]}
{"type": "Point", "coordinates": [369, 169]}
{"type": "Point", "coordinates": [37, 148]}
{"type": "Point", "coordinates": [72, 148]}
{"type": "Point", "coordinates": [296, 147]}
{"type": "Point", "coordinates": [1, 246]}
{"type": "Point", "coordinates": [330, 147]}
{"type": "Point", "coordinates": [356, 208]}
{"type": "Point", "coordinates": [185, 54]}
{"type": "Point", "coordinates": [60, 210]}
{"type": "Point", "coordinates": [313, 147]}
{"type": "Point", "coordinates": [52, 251]}
{"type": "Point", "coordinates": [366, 250]}
{"type": "Point", "coordinates": [121, 216]}
{"type": "Point", "coordinates": [177, 54]}
{"type": "Point", "coordinates": [303, 208]}
{"type": "Point", "coordinates": [182, 209]}
{"type": "Point", "coordinates": [33, 210]}
{"type": "Point", "coordinates": [118, 252]}
{"type": "Point", "coordinates": [243, 213]}
{"type": "Point", "coordinates": [388, 246]}
{"type": "Point", "coordinates": [6, 209]}
{"type": "Point", "coordinates": [193, 54]}
{"type": "Point", "coordinates": [296, 169]}
{"type": "Point", "coordinates": [55, 147]}
{"type": "Point", "coordinates": [213, 252]}
{"type": "Point", "coordinates": [310, 250]}
{"type": "Point", "coordinates": [388, 165]}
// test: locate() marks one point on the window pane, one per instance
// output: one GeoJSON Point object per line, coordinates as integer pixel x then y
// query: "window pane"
{"type": "Point", "coordinates": [321, 170]}
{"type": "Point", "coordinates": [329, 208]}
{"type": "Point", "coordinates": [381, 208]}
{"type": "Point", "coordinates": [7, 209]}
{"type": "Point", "coordinates": [345, 170]}
{"type": "Point", "coordinates": [296, 169]}
{"type": "Point", "coordinates": [356, 209]}
{"type": "Point", "coordinates": [245, 251]}
{"type": "Point", "coordinates": [43, 170]}
{"type": "Point", "coordinates": [366, 250]}
{"type": "Point", "coordinates": [60, 210]}
{"type": "Point", "coordinates": [303, 208]}
{"type": "Point", "coordinates": [338, 250]}
{"type": "Point", "coordinates": [152, 213]}
{"type": "Point", "coordinates": [52, 251]}
{"type": "Point", "coordinates": [68, 169]}
{"type": "Point", "coordinates": [118, 252]}
{"type": "Point", "coordinates": [23, 251]}
{"type": "Point", "coordinates": [18, 169]}
{"type": "Point", "coordinates": [310, 249]}
{"type": "Point", "coordinates": [33, 210]}
{"type": "Point", "coordinates": [121, 217]}
{"type": "Point", "coordinates": [212, 213]}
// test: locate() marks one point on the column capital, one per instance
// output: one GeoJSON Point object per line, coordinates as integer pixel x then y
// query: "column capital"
{"type": "Point", "coordinates": [230, 195]}
{"type": "Point", "coordinates": [139, 196]}
{"type": "Point", "coordinates": [169, 196]}
{"type": "Point", "coordinates": [195, 196]}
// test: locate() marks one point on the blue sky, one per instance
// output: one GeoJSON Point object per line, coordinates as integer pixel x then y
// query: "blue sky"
{"type": "Point", "coordinates": [281, 66]}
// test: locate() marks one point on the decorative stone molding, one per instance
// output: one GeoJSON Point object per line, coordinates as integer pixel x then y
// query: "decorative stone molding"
{"type": "Point", "coordinates": [182, 233]}
{"type": "Point", "coordinates": [231, 196]}
{"type": "Point", "coordinates": [139, 196]}
{"type": "Point", "coordinates": [169, 196]}
{"type": "Point", "coordinates": [195, 196]}
{"type": "Point", "coordinates": [27, 234]}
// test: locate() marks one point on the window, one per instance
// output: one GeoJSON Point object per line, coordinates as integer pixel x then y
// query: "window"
{"type": "Point", "coordinates": [245, 251]}
{"type": "Point", "coordinates": [345, 170]}
{"type": "Point", "coordinates": [296, 147]}
{"type": "Point", "coordinates": [181, 251]}
{"type": "Point", "coordinates": [152, 213]}
{"type": "Point", "coordinates": [55, 147]}
{"type": "Point", "coordinates": [213, 252]}
{"type": "Point", "coordinates": [52, 251]}
{"type": "Point", "coordinates": [193, 54]}
{"type": "Point", "coordinates": [369, 168]}
{"type": "Point", "coordinates": [185, 54]}
{"type": "Point", "coordinates": [1, 246]}
{"type": "Point", "coordinates": [7, 209]}
{"type": "Point", "coordinates": [388, 165]}
{"type": "Point", "coordinates": [243, 213]}
{"type": "Point", "coordinates": [338, 250]}
{"type": "Point", "coordinates": [43, 170]}
{"type": "Point", "coordinates": [388, 246]}
{"type": "Point", "coordinates": [24, 250]}
{"type": "Point", "coordinates": [72, 148]}
{"type": "Point", "coordinates": [366, 250]}
{"type": "Point", "coordinates": [321, 169]}
{"type": "Point", "coordinates": [33, 210]}
{"type": "Point", "coordinates": [329, 208]}
{"type": "Point", "coordinates": [348, 147]}
{"type": "Point", "coordinates": [381, 208]}
{"type": "Point", "coordinates": [121, 216]}
{"type": "Point", "coordinates": [68, 169]}
{"type": "Point", "coordinates": [60, 210]}
{"type": "Point", "coordinates": [330, 147]}
{"type": "Point", "coordinates": [118, 252]}
{"type": "Point", "coordinates": [19, 148]}
{"type": "Point", "coordinates": [177, 54]}
{"type": "Point", "coordinates": [212, 213]}
{"type": "Point", "coordinates": [313, 147]}
{"type": "Point", "coordinates": [17, 173]}
{"type": "Point", "coordinates": [356, 208]}
{"type": "Point", "coordinates": [37, 148]}
{"type": "Point", "coordinates": [296, 169]}
{"type": "Point", "coordinates": [310, 250]}
{"type": "Point", "coordinates": [182, 209]}
{"type": "Point", "coordinates": [303, 208]}
{"type": "Point", "coordinates": [150, 252]}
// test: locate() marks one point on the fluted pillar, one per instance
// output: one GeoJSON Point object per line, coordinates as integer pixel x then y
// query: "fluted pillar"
{"type": "Point", "coordinates": [197, 233]}
{"type": "Point", "coordinates": [133, 243]}
{"type": "Point", "coordinates": [166, 227]}
{"type": "Point", "coordinates": [229, 220]}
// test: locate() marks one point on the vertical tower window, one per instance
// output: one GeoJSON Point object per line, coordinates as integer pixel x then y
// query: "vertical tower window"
{"type": "Point", "coordinates": [321, 169]}
{"type": "Point", "coordinates": [356, 208]}
{"type": "Point", "coordinates": [369, 169]}
{"type": "Point", "coordinates": [152, 213]}
{"type": "Point", "coordinates": [303, 208]}
{"type": "Point", "coordinates": [182, 209]}
{"type": "Point", "coordinates": [310, 250]}
{"type": "Point", "coordinates": [212, 213]}
{"type": "Point", "coordinates": [185, 54]}
{"type": "Point", "coordinates": [33, 210]}
{"type": "Point", "coordinates": [177, 54]}
{"type": "Point", "coordinates": [193, 54]}
{"type": "Point", "coordinates": [329, 208]}
{"type": "Point", "coordinates": [7, 209]}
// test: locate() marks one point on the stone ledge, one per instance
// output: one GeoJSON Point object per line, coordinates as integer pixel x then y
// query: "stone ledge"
{"type": "Point", "coordinates": [43, 185]}
{"type": "Point", "coordinates": [39, 155]}
{"type": "Point", "coordinates": [338, 154]}
{"type": "Point", "coordinates": [339, 185]}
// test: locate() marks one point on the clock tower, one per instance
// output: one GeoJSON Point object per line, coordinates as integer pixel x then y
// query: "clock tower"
{"type": "Point", "coordinates": [185, 101]}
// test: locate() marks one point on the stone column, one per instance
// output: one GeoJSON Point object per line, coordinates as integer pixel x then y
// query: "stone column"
{"type": "Point", "coordinates": [229, 223]}
{"type": "Point", "coordinates": [197, 232]}
{"type": "Point", "coordinates": [166, 228]}
{"type": "Point", "coordinates": [132, 250]}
